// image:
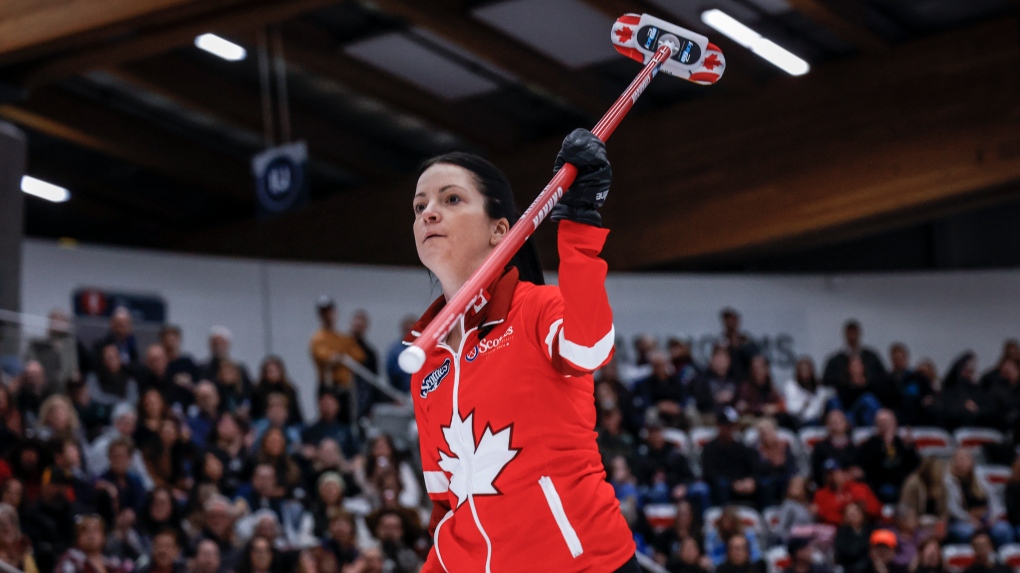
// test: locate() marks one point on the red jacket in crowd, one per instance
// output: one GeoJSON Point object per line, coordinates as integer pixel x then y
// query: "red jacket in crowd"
{"type": "Point", "coordinates": [832, 503]}
{"type": "Point", "coordinates": [506, 425]}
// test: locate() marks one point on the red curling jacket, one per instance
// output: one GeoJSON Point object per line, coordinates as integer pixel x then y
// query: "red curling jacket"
{"type": "Point", "coordinates": [506, 425]}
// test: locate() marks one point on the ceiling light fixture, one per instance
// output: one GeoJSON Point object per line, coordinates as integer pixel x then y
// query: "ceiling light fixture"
{"type": "Point", "coordinates": [44, 190]}
{"type": "Point", "coordinates": [220, 47]}
{"type": "Point", "coordinates": [763, 47]}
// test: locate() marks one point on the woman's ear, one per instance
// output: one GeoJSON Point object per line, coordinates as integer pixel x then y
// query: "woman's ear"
{"type": "Point", "coordinates": [499, 230]}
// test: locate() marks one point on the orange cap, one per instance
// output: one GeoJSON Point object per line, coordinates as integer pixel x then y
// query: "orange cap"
{"type": "Point", "coordinates": [883, 537]}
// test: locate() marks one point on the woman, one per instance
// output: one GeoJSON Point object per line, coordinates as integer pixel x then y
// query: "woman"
{"type": "Point", "coordinates": [15, 548]}
{"type": "Point", "coordinates": [968, 501]}
{"type": "Point", "coordinates": [717, 542]}
{"type": "Point", "coordinates": [273, 378]}
{"type": "Point", "coordinates": [757, 396]}
{"type": "Point", "coordinates": [152, 410]}
{"type": "Point", "coordinates": [273, 451]}
{"type": "Point", "coordinates": [852, 540]}
{"type": "Point", "coordinates": [505, 404]}
{"type": "Point", "coordinates": [776, 461]}
{"type": "Point", "coordinates": [329, 504]}
{"type": "Point", "coordinates": [670, 543]}
{"type": "Point", "coordinates": [159, 512]}
{"type": "Point", "coordinates": [58, 420]}
{"type": "Point", "coordinates": [383, 458]}
{"type": "Point", "coordinates": [260, 557]}
{"type": "Point", "coordinates": [112, 382]}
{"type": "Point", "coordinates": [925, 492]}
{"type": "Point", "coordinates": [235, 389]}
{"type": "Point", "coordinates": [1012, 498]}
{"type": "Point", "coordinates": [688, 559]}
{"type": "Point", "coordinates": [804, 396]}
{"type": "Point", "coordinates": [167, 460]}
{"type": "Point", "coordinates": [929, 558]}
{"type": "Point", "coordinates": [227, 440]}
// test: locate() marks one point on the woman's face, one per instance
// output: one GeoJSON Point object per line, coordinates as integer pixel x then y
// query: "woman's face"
{"type": "Point", "coordinates": [804, 369]}
{"type": "Point", "coordinates": [153, 404]}
{"type": "Point", "coordinates": [227, 429]}
{"type": "Point", "coordinates": [59, 418]}
{"type": "Point", "coordinates": [853, 516]}
{"type": "Point", "coordinates": [168, 432]}
{"type": "Point", "coordinates": [381, 448]}
{"type": "Point", "coordinates": [261, 554]}
{"type": "Point", "coordinates": [274, 444]}
{"type": "Point", "coordinates": [273, 372]}
{"type": "Point", "coordinates": [162, 506]}
{"type": "Point", "coordinates": [12, 493]}
{"type": "Point", "coordinates": [330, 492]}
{"type": "Point", "coordinates": [213, 467]}
{"type": "Point", "coordinates": [452, 231]}
{"type": "Point", "coordinates": [111, 358]}
{"type": "Point", "coordinates": [689, 551]}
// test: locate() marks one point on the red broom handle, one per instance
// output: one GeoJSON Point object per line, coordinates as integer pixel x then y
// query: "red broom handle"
{"type": "Point", "coordinates": [413, 357]}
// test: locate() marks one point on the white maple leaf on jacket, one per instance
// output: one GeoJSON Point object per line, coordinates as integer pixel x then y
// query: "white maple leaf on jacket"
{"type": "Point", "coordinates": [474, 465]}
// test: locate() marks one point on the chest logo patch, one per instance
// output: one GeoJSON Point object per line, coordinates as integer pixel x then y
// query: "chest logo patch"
{"type": "Point", "coordinates": [474, 464]}
{"type": "Point", "coordinates": [431, 382]}
{"type": "Point", "coordinates": [486, 346]}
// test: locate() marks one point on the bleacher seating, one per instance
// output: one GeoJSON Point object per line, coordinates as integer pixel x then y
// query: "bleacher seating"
{"type": "Point", "coordinates": [777, 559]}
{"type": "Point", "coordinates": [956, 558]}
{"type": "Point", "coordinates": [977, 437]}
{"type": "Point", "coordinates": [1009, 555]}
{"type": "Point", "coordinates": [660, 516]}
{"type": "Point", "coordinates": [810, 436]}
{"type": "Point", "coordinates": [931, 441]}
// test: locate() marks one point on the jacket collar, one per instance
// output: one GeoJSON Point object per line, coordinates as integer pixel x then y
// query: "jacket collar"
{"type": "Point", "coordinates": [489, 310]}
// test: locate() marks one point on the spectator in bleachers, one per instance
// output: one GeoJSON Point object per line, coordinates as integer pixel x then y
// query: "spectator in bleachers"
{"type": "Point", "coordinates": [742, 556]}
{"type": "Point", "coordinates": [112, 381]}
{"type": "Point", "coordinates": [368, 394]}
{"type": "Point", "coordinates": [883, 551]}
{"type": "Point", "coordinates": [87, 554]}
{"type": "Point", "coordinates": [1010, 353]}
{"type": "Point", "coordinates": [661, 467]}
{"type": "Point", "coordinates": [688, 559]}
{"type": "Point", "coordinates": [837, 367]}
{"type": "Point", "coordinates": [840, 490]}
{"type": "Point", "coordinates": [663, 390]}
{"type": "Point", "coordinates": [625, 488]}
{"type": "Point", "coordinates": [220, 339]}
{"type": "Point", "coordinates": [1012, 498]}
{"type": "Point", "coordinates": [15, 548]}
{"type": "Point", "coordinates": [159, 513]}
{"type": "Point", "coordinates": [259, 556]}
{"type": "Point", "coordinates": [273, 379]}
{"type": "Point", "coordinates": [730, 467]}
{"type": "Point", "coordinates": [328, 425]}
{"type": "Point", "coordinates": [235, 391]}
{"type": "Point", "coordinates": [795, 511]}
{"type": "Point", "coordinates": [329, 503]}
{"type": "Point", "coordinates": [381, 457]}
{"type": "Point", "coordinates": [985, 559]}
{"type": "Point", "coordinates": [124, 542]}
{"type": "Point", "coordinates": [211, 469]}
{"type": "Point", "coordinates": [263, 492]}
{"type": "Point", "coordinates": [714, 389]}
{"type": "Point", "coordinates": [228, 438]}
{"type": "Point", "coordinates": [777, 464]}
{"type": "Point", "coordinates": [908, 535]}
{"type": "Point", "coordinates": [925, 493]}
{"type": "Point", "coordinates": [802, 557]}
{"type": "Point", "coordinates": [95, 417]}
{"type": "Point", "coordinates": [612, 439]}
{"type": "Point", "coordinates": [887, 459]}
{"type": "Point", "coordinates": [277, 412]}
{"type": "Point", "coordinates": [11, 427]}
{"type": "Point", "coordinates": [683, 362]}
{"type": "Point", "coordinates": [327, 457]}
{"type": "Point", "coordinates": [757, 395]}
{"type": "Point", "coordinates": [852, 545]}
{"type": "Point", "coordinates": [57, 351]}
{"type": "Point", "coordinates": [968, 503]}
{"type": "Point", "coordinates": [166, 553]}
{"type": "Point", "coordinates": [152, 408]}
{"type": "Point", "coordinates": [929, 558]}
{"type": "Point", "coordinates": [30, 390]}
{"type": "Point", "coordinates": [400, 380]}
{"type": "Point", "coordinates": [168, 459]}
{"type": "Point", "coordinates": [1005, 389]}
{"type": "Point", "coordinates": [728, 527]}
{"type": "Point", "coordinates": [273, 452]}
{"type": "Point", "coordinates": [207, 558]}
{"type": "Point", "coordinates": [858, 395]}
{"type": "Point", "coordinates": [805, 399]}
{"type": "Point", "coordinates": [125, 421]}
{"type": "Point", "coordinates": [204, 413]}
{"type": "Point", "coordinates": [966, 401]}
{"type": "Point", "coordinates": [217, 520]}
{"type": "Point", "coordinates": [121, 335]}
{"type": "Point", "coordinates": [178, 393]}
{"type": "Point", "coordinates": [619, 396]}
{"type": "Point", "coordinates": [58, 420]}
{"type": "Point", "coordinates": [668, 543]}
{"type": "Point", "coordinates": [916, 393]}
{"type": "Point", "coordinates": [739, 344]}
{"type": "Point", "coordinates": [119, 481]}
{"type": "Point", "coordinates": [342, 539]}
{"type": "Point", "coordinates": [389, 529]}
{"type": "Point", "coordinates": [181, 367]}
{"type": "Point", "coordinates": [837, 445]}
{"type": "Point", "coordinates": [328, 345]}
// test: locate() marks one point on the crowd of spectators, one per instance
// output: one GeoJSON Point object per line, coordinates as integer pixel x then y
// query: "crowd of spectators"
{"type": "Point", "coordinates": [119, 457]}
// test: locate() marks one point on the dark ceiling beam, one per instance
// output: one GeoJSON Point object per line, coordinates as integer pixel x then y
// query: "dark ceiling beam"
{"type": "Point", "coordinates": [81, 122]}
{"type": "Point", "coordinates": [192, 87]}
{"type": "Point", "coordinates": [307, 47]}
{"type": "Point", "coordinates": [28, 23]}
{"type": "Point", "coordinates": [845, 21]}
{"type": "Point", "coordinates": [574, 88]}
{"type": "Point", "coordinates": [933, 127]}
{"type": "Point", "coordinates": [252, 15]}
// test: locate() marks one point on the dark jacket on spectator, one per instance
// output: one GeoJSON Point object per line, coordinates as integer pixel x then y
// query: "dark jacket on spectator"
{"type": "Point", "coordinates": [837, 367]}
{"type": "Point", "coordinates": [750, 567]}
{"type": "Point", "coordinates": [847, 457]}
{"type": "Point", "coordinates": [730, 461]}
{"type": "Point", "coordinates": [708, 390]}
{"type": "Point", "coordinates": [884, 466]}
{"type": "Point", "coordinates": [851, 549]}
{"type": "Point", "coordinates": [667, 459]}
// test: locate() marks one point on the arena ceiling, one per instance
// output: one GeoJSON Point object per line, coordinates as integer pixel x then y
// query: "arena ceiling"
{"type": "Point", "coordinates": [910, 113]}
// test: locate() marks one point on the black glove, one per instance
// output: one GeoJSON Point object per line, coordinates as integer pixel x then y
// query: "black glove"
{"type": "Point", "coordinates": [588, 154]}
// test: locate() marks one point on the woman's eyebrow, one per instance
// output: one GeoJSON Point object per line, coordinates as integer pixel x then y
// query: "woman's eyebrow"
{"type": "Point", "coordinates": [442, 189]}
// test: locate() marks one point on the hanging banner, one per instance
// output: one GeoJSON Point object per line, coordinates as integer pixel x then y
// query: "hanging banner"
{"type": "Point", "coordinates": [280, 181]}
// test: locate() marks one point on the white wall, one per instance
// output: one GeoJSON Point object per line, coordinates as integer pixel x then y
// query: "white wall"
{"type": "Point", "coordinates": [937, 314]}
